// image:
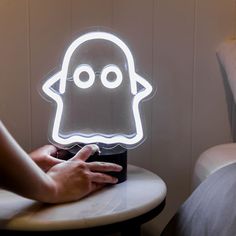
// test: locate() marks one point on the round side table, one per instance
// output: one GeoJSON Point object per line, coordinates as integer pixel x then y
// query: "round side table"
{"type": "Point", "coordinates": [118, 208]}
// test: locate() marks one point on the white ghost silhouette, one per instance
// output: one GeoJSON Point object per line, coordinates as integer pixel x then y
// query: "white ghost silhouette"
{"type": "Point", "coordinates": [62, 76]}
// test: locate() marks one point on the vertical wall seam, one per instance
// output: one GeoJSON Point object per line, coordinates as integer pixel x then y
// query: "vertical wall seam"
{"type": "Point", "coordinates": [234, 19]}
{"type": "Point", "coordinates": [232, 110]}
{"type": "Point", "coordinates": [70, 21]}
{"type": "Point", "coordinates": [152, 74]}
{"type": "Point", "coordinates": [194, 63]}
{"type": "Point", "coordinates": [155, 29]}
{"type": "Point", "coordinates": [29, 75]}
{"type": "Point", "coordinates": [112, 14]}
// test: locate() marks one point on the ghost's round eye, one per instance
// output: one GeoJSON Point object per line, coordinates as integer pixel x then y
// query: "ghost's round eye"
{"type": "Point", "coordinates": [111, 76]}
{"type": "Point", "coordinates": [84, 76]}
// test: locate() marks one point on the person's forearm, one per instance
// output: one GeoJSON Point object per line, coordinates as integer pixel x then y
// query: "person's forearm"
{"type": "Point", "coordinates": [18, 173]}
{"type": "Point", "coordinates": [66, 181]}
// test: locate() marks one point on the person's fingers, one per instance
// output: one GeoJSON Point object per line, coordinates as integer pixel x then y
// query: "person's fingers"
{"type": "Point", "coordinates": [103, 167]}
{"type": "Point", "coordinates": [50, 149]}
{"type": "Point", "coordinates": [85, 152]}
{"type": "Point", "coordinates": [103, 178]}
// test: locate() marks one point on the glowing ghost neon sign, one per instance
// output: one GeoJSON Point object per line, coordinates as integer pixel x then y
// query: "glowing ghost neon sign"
{"type": "Point", "coordinates": [61, 77]}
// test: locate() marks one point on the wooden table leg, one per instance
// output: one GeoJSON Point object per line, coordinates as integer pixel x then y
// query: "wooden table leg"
{"type": "Point", "coordinates": [134, 230]}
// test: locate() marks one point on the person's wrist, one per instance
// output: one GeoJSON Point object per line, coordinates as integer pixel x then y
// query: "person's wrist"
{"type": "Point", "coordinates": [47, 191]}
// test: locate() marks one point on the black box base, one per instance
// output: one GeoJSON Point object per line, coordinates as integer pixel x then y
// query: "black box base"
{"type": "Point", "coordinates": [117, 155]}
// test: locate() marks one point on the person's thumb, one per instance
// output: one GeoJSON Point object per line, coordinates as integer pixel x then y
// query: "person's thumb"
{"type": "Point", "coordinates": [49, 162]}
{"type": "Point", "coordinates": [54, 160]}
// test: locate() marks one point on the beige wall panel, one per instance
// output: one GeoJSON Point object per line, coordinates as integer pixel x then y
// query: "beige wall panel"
{"type": "Point", "coordinates": [14, 79]}
{"type": "Point", "coordinates": [87, 14]}
{"type": "Point", "coordinates": [214, 23]}
{"type": "Point", "coordinates": [172, 109]}
{"type": "Point", "coordinates": [134, 20]}
{"type": "Point", "coordinates": [49, 37]}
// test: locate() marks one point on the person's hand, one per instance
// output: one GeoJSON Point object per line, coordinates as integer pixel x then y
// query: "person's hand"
{"type": "Point", "coordinates": [75, 178]}
{"type": "Point", "coordinates": [45, 157]}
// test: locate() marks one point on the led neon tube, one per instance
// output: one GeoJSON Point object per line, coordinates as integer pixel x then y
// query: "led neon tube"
{"type": "Point", "coordinates": [61, 77]}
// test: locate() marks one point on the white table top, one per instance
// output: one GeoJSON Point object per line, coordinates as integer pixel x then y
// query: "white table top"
{"type": "Point", "coordinates": [142, 192]}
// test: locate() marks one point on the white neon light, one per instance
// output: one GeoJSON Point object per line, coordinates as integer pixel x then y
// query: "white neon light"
{"type": "Point", "coordinates": [91, 36]}
{"type": "Point", "coordinates": [76, 76]}
{"type": "Point", "coordinates": [61, 77]}
{"type": "Point", "coordinates": [111, 84]}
